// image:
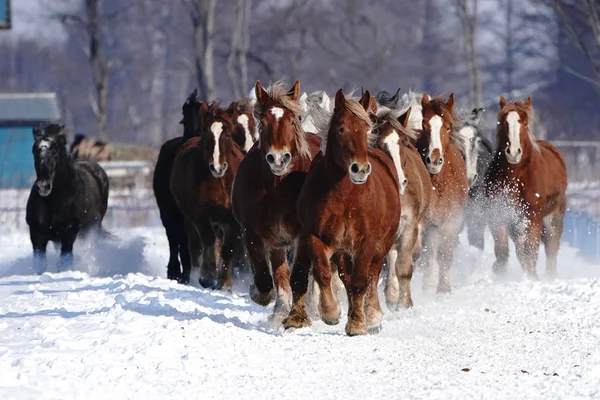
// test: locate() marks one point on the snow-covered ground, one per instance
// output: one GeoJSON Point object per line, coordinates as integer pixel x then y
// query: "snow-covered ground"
{"type": "Point", "coordinates": [118, 329]}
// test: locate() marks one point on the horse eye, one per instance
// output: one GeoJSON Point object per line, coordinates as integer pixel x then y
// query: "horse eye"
{"type": "Point", "coordinates": [341, 129]}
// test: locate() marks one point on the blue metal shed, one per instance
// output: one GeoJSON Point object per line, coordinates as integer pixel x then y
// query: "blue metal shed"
{"type": "Point", "coordinates": [19, 112]}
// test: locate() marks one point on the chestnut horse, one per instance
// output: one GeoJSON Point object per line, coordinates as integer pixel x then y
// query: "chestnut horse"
{"type": "Point", "coordinates": [395, 138]}
{"type": "Point", "coordinates": [242, 113]}
{"type": "Point", "coordinates": [526, 184]}
{"type": "Point", "coordinates": [265, 190]}
{"type": "Point", "coordinates": [439, 149]}
{"type": "Point", "coordinates": [201, 181]}
{"type": "Point", "coordinates": [349, 208]}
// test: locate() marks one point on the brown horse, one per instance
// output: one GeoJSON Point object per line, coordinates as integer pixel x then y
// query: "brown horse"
{"type": "Point", "coordinates": [438, 146]}
{"type": "Point", "coordinates": [201, 181]}
{"type": "Point", "coordinates": [395, 138]}
{"type": "Point", "coordinates": [84, 149]}
{"type": "Point", "coordinates": [349, 208]}
{"type": "Point", "coordinates": [242, 113]}
{"type": "Point", "coordinates": [265, 191]}
{"type": "Point", "coordinates": [526, 184]}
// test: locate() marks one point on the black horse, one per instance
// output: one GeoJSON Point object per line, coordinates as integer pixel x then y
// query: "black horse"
{"type": "Point", "coordinates": [170, 215]}
{"type": "Point", "coordinates": [68, 198]}
{"type": "Point", "coordinates": [386, 99]}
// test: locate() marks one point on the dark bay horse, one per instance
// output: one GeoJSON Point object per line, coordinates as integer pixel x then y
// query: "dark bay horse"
{"type": "Point", "coordinates": [526, 183]}
{"type": "Point", "coordinates": [265, 190]}
{"type": "Point", "coordinates": [440, 150]}
{"type": "Point", "coordinates": [68, 198]}
{"type": "Point", "coordinates": [171, 217]}
{"type": "Point", "coordinates": [349, 208]}
{"type": "Point", "coordinates": [242, 113]}
{"type": "Point", "coordinates": [478, 153]}
{"type": "Point", "coordinates": [395, 138]}
{"type": "Point", "coordinates": [201, 180]}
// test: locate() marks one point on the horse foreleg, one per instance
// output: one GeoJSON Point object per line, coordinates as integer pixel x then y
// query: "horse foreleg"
{"type": "Point", "coordinates": [392, 286]}
{"type": "Point", "coordinates": [553, 227]}
{"type": "Point", "coordinates": [65, 261]}
{"type": "Point", "coordinates": [194, 248]}
{"type": "Point", "coordinates": [225, 277]}
{"type": "Point", "coordinates": [298, 317]}
{"type": "Point", "coordinates": [527, 244]}
{"type": "Point", "coordinates": [500, 235]}
{"type": "Point", "coordinates": [431, 277]}
{"type": "Point", "coordinates": [361, 267]}
{"type": "Point", "coordinates": [261, 291]}
{"type": "Point", "coordinates": [405, 265]}
{"type": "Point", "coordinates": [184, 255]}
{"type": "Point", "coordinates": [320, 254]}
{"type": "Point", "coordinates": [173, 267]}
{"type": "Point", "coordinates": [208, 266]}
{"type": "Point", "coordinates": [283, 297]}
{"type": "Point", "coordinates": [39, 243]}
{"type": "Point", "coordinates": [450, 234]}
{"type": "Point", "coordinates": [373, 312]}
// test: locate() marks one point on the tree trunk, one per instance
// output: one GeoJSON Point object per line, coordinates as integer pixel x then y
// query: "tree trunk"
{"type": "Point", "coordinates": [237, 61]}
{"type": "Point", "coordinates": [509, 62]}
{"type": "Point", "coordinates": [158, 84]}
{"type": "Point", "coordinates": [468, 20]}
{"type": "Point", "coordinates": [99, 67]}
{"type": "Point", "coordinates": [203, 21]}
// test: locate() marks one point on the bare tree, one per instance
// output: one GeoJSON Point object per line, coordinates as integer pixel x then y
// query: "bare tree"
{"type": "Point", "coordinates": [580, 22]}
{"type": "Point", "coordinates": [468, 15]}
{"type": "Point", "coordinates": [237, 60]}
{"type": "Point", "coordinates": [91, 23]}
{"type": "Point", "coordinates": [202, 13]}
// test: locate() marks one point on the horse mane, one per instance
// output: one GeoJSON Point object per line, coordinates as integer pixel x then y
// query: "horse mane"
{"type": "Point", "coordinates": [391, 117]}
{"type": "Point", "coordinates": [353, 106]}
{"type": "Point", "coordinates": [279, 94]}
{"type": "Point", "coordinates": [388, 100]}
{"type": "Point", "coordinates": [520, 106]}
{"type": "Point", "coordinates": [314, 109]}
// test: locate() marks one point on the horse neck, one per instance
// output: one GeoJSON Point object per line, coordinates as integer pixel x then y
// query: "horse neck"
{"type": "Point", "coordinates": [64, 175]}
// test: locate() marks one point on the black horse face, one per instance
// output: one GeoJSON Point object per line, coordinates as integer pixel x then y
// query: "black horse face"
{"type": "Point", "coordinates": [48, 143]}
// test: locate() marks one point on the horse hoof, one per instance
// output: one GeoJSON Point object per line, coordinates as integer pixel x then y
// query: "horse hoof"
{"type": "Point", "coordinates": [375, 329]}
{"type": "Point", "coordinates": [405, 303]}
{"type": "Point", "coordinates": [355, 329]}
{"type": "Point", "coordinates": [296, 320]}
{"type": "Point", "coordinates": [444, 289]}
{"type": "Point", "coordinates": [330, 321]}
{"type": "Point", "coordinates": [262, 299]}
{"type": "Point", "coordinates": [183, 281]}
{"type": "Point", "coordinates": [208, 283]}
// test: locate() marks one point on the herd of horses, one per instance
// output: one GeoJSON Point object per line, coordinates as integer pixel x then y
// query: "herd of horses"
{"type": "Point", "coordinates": [316, 195]}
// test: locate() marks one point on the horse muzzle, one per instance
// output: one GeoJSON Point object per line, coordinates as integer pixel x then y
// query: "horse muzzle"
{"type": "Point", "coordinates": [279, 162]}
{"type": "Point", "coordinates": [359, 173]}
{"type": "Point", "coordinates": [217, 170]}
{"type": "Point", "coordinates": [43, 188]}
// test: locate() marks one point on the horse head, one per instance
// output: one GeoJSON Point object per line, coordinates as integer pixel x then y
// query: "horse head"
{"type": "Point", "coordinates": [470, 139]}
{"type": "Point", "coordinates": [216, 138]}
{"type": "Point", "coordinates": [394, 137]}
{"type": "Point", "coordinates": [281, 136]}
{"type": "Point", "coordinates": [50, 144]}
{"type": "Point", "coordinates": [514, 135]}
{"type": "Point", "coordinates": [349, 135]}
{"type": "Point", "coordinates": [438, 120]}
{"type": "Point", "coordinates": [242, 113]}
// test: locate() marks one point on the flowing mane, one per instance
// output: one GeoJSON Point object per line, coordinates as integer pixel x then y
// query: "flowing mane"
{"type": "Point", "coordinates": [391, 116]}
{"type": "Point", "coordinates": [356, 109]}
{"type": "Point", "coordinates": [520, 106]}
{"type": "Point", "coordinates": [279, 95]}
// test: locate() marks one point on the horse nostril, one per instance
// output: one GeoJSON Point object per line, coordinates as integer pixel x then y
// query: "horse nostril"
{"type": "Point", "coordinates": [287, 157]}
{"type": "Point", "coordinates": [428, 160]}
{"type": "Point", "coordinates": [475, 177]}
{"type": "Point", "coordinates": [270, 158]}
{"type": "Point", "coordinates": [211, 166]}
{"type": "Point", "coordinates": [440, 161]}
{"type": "Point", "coordinates": [405, 182]}
{"type": "Point", "coordinates": [508, 150]}
{"type": "Point", "coordinates": [519, 151]}
{"type": "Point", "coordinates": [368, 168]}
{"type": "Point", "coordinates": [224, 167]}
{"type": "Point", "coordinates": [354, 168]}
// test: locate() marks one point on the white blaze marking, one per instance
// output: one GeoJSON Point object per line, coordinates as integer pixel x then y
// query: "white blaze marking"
{"type": "Point", "coordinates": [466, 134]}
{"type": "Point", "coordinates": [216, 128]}
{"type": "Point", "coordinates": [392, 142]}
{"type": "Point", "coordinates": [514, 131]}
{"type": "Point", "coordinates": [435, 124]}
{"type": "Point", "coordinates": [243, 121]}
{"type": "Point", "coordinates": [44, 145]}
{"type": "Point", "coordinates": [277, 112]}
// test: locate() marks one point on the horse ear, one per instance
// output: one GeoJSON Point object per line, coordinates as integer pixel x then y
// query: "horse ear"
{"type": "Point", "coordinates": [395, 97]}
{"type": "Point", "coordinates": [425, 100]}
{"type": "Point", "coordinates": [368, 102]}
{"type": "Point", "coordinates": [231, 109]}
{"type": "Point", "coordinates": [502, 102]}
{"type": "Point", "coordinates": [294, 92]}
{"type": "Point", "coordinates": [340, 100]}
{"type": "Point", "coordinates": [528, 102]}
{"type": "Point", "coordinates": [403, 119]}
{"type": "Point", "coordinates": [477, 114]}
{"type": "Point", "coordinates": [37, 132]}
{"type": "Point", "coordinates": [261, 94]}
{"type": "Point", "coordinates": [450, 102]}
